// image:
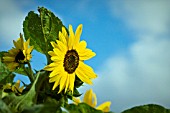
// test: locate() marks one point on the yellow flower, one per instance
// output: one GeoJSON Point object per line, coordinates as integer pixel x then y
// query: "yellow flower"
{"type": "Point", "coordinates": [15, 88]}
{"type": "Point", "coordinates": [68, 57]}
{"type": "Point", "coordinates": [91, 100]}
{"type": "Point", "coordinates": [18, 54]}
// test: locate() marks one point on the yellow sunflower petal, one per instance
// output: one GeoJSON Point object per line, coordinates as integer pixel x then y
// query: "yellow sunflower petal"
{"type": "Point", "coordinates": [12, 52]}
{"type": "Point", "coordinates": [29, 50]}
{"type": "Point", "coordinates": [59, 55]}
{"type": "Point", "coordinates": [12, 65]}
{"type": "Point", "coordinates": [80, 47]}
{"type": "Point", "coordinates": [62, 38]}
{"type": "Point", "coordinates": [29, 57]}
{"type": "Point", "coordinates": [81, 75]}
{"type": "Point", "coordinates": [67, 83]}
{"type": "Point", "coordinates": [63, 81]}
{"type": "Point", "coordinates": [57, 58]}
{"type": "Point", "coordinates": [17, 84]}
{"type": "Point", "coordinates": [72, 79]}
{"type": "Point", "coordinates": [10, 59]}
{"type": "Point", "coordinates": [61, 46]}
{"type": "Point", "coordinates": [86, 54]}
{"type": "Point", "coordinates": [21, 89]}
{"type": "Point", "coordinates": [94, 99]}
{"type": "Point", "coordinates": [26, 44]}
{"type": "Point", "coordinates": [71, 38]}
{"type": "Point", "coordinates": [57, 70]}
{"type": "Point", "coordinates": [105, 107]}
{"type": "Point", "coordinates": [78, 34]}
{"type": "Point", "coordinates": [90, 98]}
{"type": "Point", "coordinates": [21, 40]}
{"type": "Point", "coordinates": [54, 45]}
{"type": "Point", "coordinates": [16, 44]}
{"type": "Point", "coordinates": [88, 71]}
{"type": "Point", "coordinates": [55, 79]}
{"type": "Point", "coordinates": [76, 100]}
{"type": "Point", "coordinates": [51, 53]}
{"type": "Point", "coordinates": [64, 32]}
{"type": "Point", "coordinates": [51, 66]}
{"type": "Point", "coordinates": [56, 84]}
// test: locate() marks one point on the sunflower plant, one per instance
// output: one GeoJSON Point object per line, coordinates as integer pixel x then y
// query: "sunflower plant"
{"type": "Point", "coordinates": [50, 89]}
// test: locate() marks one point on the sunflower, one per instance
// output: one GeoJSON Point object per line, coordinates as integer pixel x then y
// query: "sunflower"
{"type": "Point", "coordinates": [91, 100]}
{"type": "Point", "coordinates": [68, 57]}
{"type": "Point", "coordinates": [15, 88]}
{"type": "Point", "coordinates": [19, 54]}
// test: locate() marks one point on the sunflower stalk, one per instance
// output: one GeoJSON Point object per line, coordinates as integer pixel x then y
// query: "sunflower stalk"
{"type": "Point", "coordinates": [31, 74]}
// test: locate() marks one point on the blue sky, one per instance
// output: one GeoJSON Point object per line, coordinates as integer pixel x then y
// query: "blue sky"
{"type": "Point", "coordinates": [131, 39]}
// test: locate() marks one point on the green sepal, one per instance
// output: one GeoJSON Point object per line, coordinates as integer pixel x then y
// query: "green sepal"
{"type": "Point", "coordinates": [76, 93]}
{"type": "Point", "coordinates": [78, 82]}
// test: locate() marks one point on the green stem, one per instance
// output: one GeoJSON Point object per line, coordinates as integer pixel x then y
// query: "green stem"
{"type": "Point", "coordinates": [30, 73]}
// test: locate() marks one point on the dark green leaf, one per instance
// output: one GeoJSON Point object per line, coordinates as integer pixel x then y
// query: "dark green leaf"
{"type": "Point", "coordinates": [5, 75]}
{"type": "Point", "coordinates": [22, 71]}
{"type": "Point", "coordinates": [42, 29]}
{"type": "Point", "coordinates": [18, 103]}
{"type": "Point", "coordinates": [76, 93]}
{"type": "Point", "coordinates": [150, 108]}
{"type": "Point", "coordinates": [43, 108]}
{"type": "Point", "coordinates": [50, 107]}
{"type": "Point", "coordinates": [81, 108]}
{"type": "Point", "coordinates": [78, 82]}
{"type": "Point", "coordinates": [4, 108]}
{"type": "Point", "coordinates": [32, 29]}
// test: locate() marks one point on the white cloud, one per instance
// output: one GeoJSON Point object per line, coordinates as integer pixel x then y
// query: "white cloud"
{"type": "Point", "coordinates": [146, 16]}
{"type": "Point", "coordinates": [10, 21]}
{"type": "Point", "coordinates": [143, 76]}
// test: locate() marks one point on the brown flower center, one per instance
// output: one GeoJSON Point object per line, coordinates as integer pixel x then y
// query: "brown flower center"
{"type": "Point", "coordinates": [19, 57]}
{"type": "Point", "coordinates": [71, 61]}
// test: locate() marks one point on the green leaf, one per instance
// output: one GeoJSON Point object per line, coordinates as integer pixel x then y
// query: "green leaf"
{"type": "Point", "coordinates": [22, 71]}
{"type": "Point", "coordinates": [5, 75]}
{"type": "Point", "coordinates": [43, 108]}
{"type": "Point", "coordinates": [4, 108]}
{"type": "Point", "coordinates": [19, 103]}
{"type": "Point", "coordinates": [150, 108]}
{"type": "Point", "coordinates": [49, 107]}
{"type": "Point", "coordinates": [81, 108]}
{"type": "Point", "coordinates": [42, 29]}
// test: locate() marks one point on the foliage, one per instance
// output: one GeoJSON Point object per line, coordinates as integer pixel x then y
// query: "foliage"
{"type": "Point", "coordinates": [38, 96]}
{"type": "Point", "coordinates": [150, 108]}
